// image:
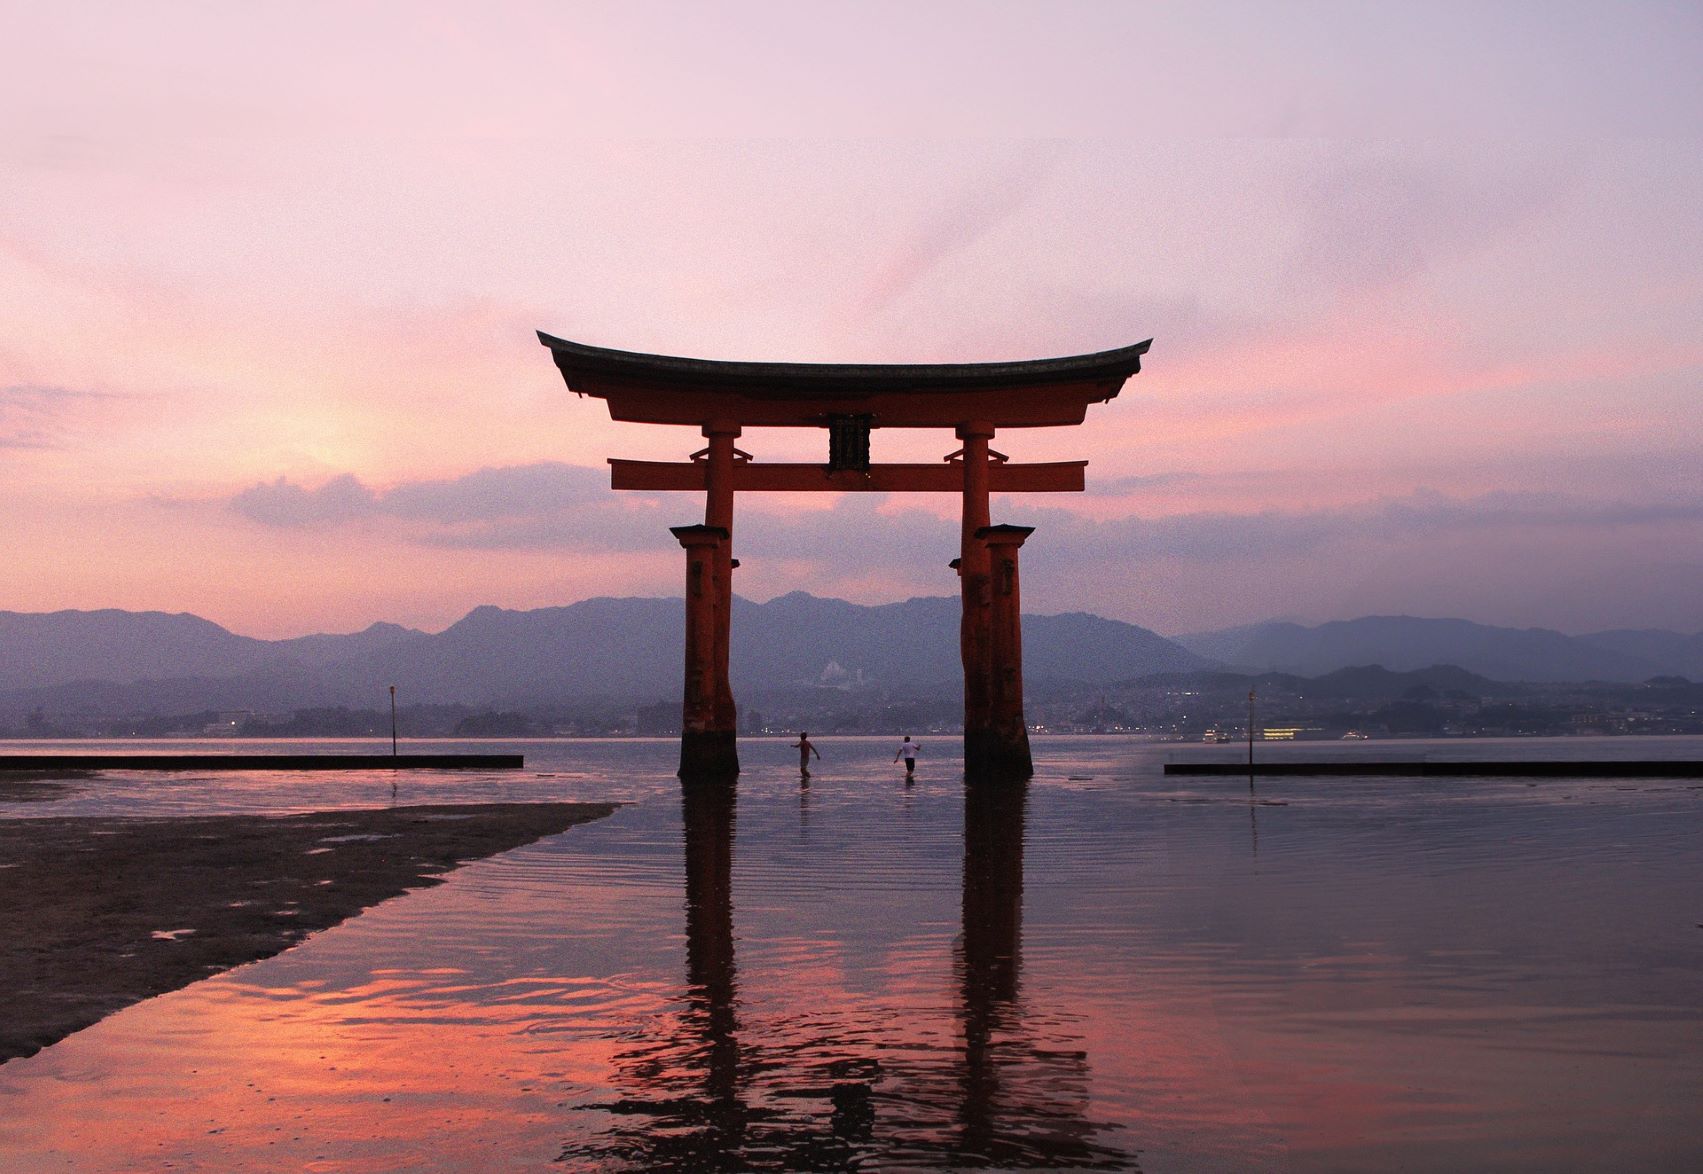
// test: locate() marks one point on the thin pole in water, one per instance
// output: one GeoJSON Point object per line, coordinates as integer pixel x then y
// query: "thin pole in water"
{"type": "Point", "coordinates": [393, 725]}
{"type": "Point", "coordinates": [1250, 742]}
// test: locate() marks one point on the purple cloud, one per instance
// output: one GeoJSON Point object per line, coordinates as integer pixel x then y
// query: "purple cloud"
{"type": "Point", "coordinates": [34, 416]}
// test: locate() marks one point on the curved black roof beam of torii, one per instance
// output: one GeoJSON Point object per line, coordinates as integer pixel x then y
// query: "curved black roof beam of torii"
{"type": "Point", "coordinates": [666, 389]}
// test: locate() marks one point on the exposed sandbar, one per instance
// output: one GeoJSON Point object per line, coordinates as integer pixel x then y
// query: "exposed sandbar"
{"type": "Point", "coordinates": [92, 910]}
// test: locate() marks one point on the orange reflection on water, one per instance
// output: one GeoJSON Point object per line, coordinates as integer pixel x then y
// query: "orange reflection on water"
{"type": "Point", "coordinates": [240, 1076]}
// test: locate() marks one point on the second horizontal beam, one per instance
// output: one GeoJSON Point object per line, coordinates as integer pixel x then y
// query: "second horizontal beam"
{"type": "Point", "coordinates": [761, 477]}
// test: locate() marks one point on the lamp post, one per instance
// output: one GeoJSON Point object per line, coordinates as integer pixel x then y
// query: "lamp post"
{"type": "Point", "coordinates": [393, 724]}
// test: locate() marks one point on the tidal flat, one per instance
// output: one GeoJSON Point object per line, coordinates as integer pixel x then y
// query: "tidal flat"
{"type": "Point", "coordinates": [97, 914]}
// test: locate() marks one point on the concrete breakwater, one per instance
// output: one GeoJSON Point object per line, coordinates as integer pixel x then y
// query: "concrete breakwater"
{"type": "Point", "coordinates": [58, 762]}
{"type": "Point", "coordinates": [1423, 769]}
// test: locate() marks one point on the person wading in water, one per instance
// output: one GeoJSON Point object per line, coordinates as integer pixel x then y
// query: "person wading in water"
{"type": "Point", "coordinates": [908, 751]}
{"type": "Point", "coordinates": [805, 750]}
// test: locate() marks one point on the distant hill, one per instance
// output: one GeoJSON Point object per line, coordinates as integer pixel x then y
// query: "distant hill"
{"type": "Point", "coordinates": [1671, 653]}
{"type": "Point", "coordinates": [1359, 683]}
{"type": "Point", "coordinates": [329, 650]}
{"type": "Point", "coordinates": [53, 648]}
{"type": "Point", "coordinates": [1374, 682]}
{"type": "Point", "coordinates": [119, 662]}
{"type": "Point", "coordinates": [796, 637]}
{"type": "Point", "coordinates": [1404, 643]}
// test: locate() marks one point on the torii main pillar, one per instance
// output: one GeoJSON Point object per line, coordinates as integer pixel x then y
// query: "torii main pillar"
{"type": "Point", "coordinates": [721, 399]}
{"type": "Point", "coordinates": [996, 738]}
{"type": "Point", "coordinates": [708, 746]}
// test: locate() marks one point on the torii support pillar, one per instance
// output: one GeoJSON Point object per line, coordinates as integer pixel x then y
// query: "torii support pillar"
{"type": "Point", "coordinates": [1003, 751]}
{"type": "Point", "coordinates": [708, 746]}
{"type": "Point", "coordinates": [996, 741]}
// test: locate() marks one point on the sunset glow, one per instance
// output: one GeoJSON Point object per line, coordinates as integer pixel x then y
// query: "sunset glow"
{"type": "Point", "coordinates": [243, 256]}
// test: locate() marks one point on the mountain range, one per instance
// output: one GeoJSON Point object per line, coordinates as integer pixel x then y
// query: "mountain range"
{"type": "Point", "coordinates": [119, 662]}
{"type": "Point", "coordinates": [1403, 643]}
{"type": "Point", "coordinates": [152, 662]}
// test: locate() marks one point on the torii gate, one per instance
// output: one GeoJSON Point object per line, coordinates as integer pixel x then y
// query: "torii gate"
{"type": "Point", "coordinates": [973, 399]}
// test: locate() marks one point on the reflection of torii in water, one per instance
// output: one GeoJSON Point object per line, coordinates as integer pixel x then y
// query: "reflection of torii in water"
{"type": "Point", "coordinates": [691, 1114]}
{"type": "Point", "coordinates": [708, 1100]}
{"type": "Point", "coordinates": [1023, 1100]}
{"type": "Point", "coordinates": [705, 1117]}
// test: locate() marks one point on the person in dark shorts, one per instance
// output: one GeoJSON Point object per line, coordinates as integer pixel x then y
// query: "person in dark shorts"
{"type": "Point", "coordinates": [908, 751]}
{"type": "Point", "coordinates": [805, 750]}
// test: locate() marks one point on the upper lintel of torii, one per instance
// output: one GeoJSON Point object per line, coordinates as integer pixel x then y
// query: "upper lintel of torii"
{"type": "Point", "coordinates": [664, 389]}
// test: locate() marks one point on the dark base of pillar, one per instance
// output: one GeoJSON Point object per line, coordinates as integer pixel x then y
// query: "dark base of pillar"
{"type": "Point", "coordinates": [994, 754]}
{"type": "Point", "coordinates": [709, 754]}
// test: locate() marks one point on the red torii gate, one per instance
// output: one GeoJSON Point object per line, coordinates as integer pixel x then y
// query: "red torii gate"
{"type": "Point", "coordinates": [849, 400]}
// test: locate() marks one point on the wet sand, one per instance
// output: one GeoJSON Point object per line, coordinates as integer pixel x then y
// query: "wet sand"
{"type": "Point", "coordinates": [96, 914]}
{"type": "Point", "coordinates": [37, 786]}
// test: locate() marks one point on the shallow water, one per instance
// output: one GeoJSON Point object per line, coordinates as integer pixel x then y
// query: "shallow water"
{"type": "Point", "coordinates": [1103, 969]}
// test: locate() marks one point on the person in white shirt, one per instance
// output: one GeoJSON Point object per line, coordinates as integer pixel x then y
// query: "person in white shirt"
{"type": "Point", "coordinates": [907, 751]}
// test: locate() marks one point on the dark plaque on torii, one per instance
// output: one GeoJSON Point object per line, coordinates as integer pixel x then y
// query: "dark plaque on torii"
{"type": "Point", "coordinates": [848, 400]}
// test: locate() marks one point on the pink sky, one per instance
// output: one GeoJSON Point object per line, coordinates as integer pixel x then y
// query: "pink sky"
{"type": "Point", "coordinates": [1425, 284]}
